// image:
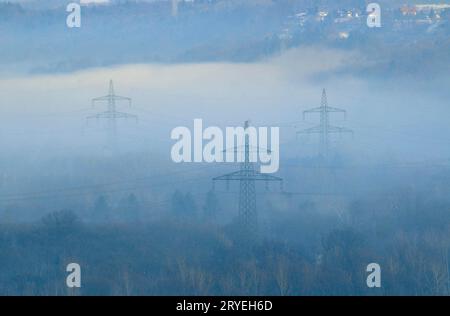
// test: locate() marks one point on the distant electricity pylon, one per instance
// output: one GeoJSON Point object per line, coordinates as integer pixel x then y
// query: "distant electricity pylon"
{"type": "Point", "coordinates": [324, 128]}
{"type": "Point", "coordinates": [111, 114]}
{"type": "Point", "coordinates": [247, 176]}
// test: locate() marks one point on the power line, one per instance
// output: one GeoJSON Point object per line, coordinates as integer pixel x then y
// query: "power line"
{"type": "Point", "coordinates": [51, 193]}
{"type": "Point", "coordinates": [76, 194]}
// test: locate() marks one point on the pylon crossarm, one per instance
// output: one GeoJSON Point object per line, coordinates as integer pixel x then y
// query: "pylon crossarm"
{"type": "Point", "coordinates": [107, 98]}
{"type": "Point", "coordinates": [252, 149]}
{"type": "Point", "coordinates": [124, 115]}
{"type": "Point", "coordinates": [101, 115]}
{"type": "Point", "coordinates": [108, 114]}
{"type": "Point", "coordinates": [335, 129]}
{"type": "Point", "coordinates": [315, 129]}
{"type": "Point", "coordinates": [121, 98]}
{"type": "Point", "coordinates": [226, 177]}
{"type": "Point", "coordinates": [332, 109]}
{"type": "Point", "coordinates": [105, 114]}
{"type": "Point", "coordinates": [266, 177]}
{"type": "Point", "coordinates": [104, 98]}
{"type": "Point", "coordinates": [247, 175]}
{"type": "Point", "coordinates": [314, 110]}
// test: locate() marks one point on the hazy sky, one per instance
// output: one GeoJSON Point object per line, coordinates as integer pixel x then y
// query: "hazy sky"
{"type": "Point", "coordinates": [392, 116]}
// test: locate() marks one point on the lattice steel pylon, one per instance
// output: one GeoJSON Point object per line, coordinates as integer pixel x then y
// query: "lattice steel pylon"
{"type": "Point", "coordinates": [324, 128]}
{"type": "Point", "coordinates": [111, 114]}
{"type": "Point", "coordinates": [247, 177]}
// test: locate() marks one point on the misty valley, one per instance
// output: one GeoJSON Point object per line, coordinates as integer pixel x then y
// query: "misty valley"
{"type": "Point", "coordinates": [224, 147]}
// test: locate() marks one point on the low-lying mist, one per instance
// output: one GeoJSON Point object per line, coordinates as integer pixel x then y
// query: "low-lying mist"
{"type": "Point", "coordinates": [382, 196]}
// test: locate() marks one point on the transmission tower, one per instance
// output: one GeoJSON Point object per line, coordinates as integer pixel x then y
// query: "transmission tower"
{"type": "Point", "coordinates": [247, 177]}
{"type": "Point", "coordinates": [324, 128]}
{"type": "Point", "coordinates": [111, 114]}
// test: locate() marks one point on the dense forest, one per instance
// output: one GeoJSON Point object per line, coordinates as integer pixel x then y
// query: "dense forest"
{"type": "Point", "coordinates": [303, 251]}
{"type": "Point", "coordinates": [139, 223]}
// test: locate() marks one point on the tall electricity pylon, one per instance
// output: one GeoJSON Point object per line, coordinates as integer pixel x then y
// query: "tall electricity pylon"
{"type": "Point", "coordinates": [111, 114]}
{"type": "Point", "coordinates": [247, 177]}
{"type": "Point", "coordinates": [324, 128]}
